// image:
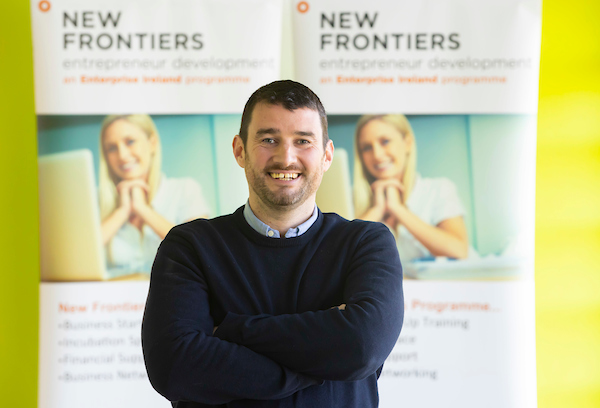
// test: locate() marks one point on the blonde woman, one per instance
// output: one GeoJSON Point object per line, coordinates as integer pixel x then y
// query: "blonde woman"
{"type": "Point", "coordinates": [139, 204]}
{"type": "Point", "coordinates": [425, 213]}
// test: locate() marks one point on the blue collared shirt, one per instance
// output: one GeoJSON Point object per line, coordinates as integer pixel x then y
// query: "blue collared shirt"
{"type": "Point", "coordinates": [267, 231]}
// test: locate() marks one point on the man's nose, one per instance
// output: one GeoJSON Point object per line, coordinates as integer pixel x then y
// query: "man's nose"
{"type": "Point", "coordinates": [285, 154]}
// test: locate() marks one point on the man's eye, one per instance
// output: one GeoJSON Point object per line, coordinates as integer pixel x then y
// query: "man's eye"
{"type": "Point", "coordinates": [268, 140]}
{"type": "Point", "coordinates": [303, 141]}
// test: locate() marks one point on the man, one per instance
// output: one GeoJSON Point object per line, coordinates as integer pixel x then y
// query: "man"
{"type": "Point", "coordinates": [277, 304]}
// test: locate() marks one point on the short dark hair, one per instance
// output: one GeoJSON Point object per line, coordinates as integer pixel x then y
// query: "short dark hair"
{"type": "Point", "coordinates": [289, 94]}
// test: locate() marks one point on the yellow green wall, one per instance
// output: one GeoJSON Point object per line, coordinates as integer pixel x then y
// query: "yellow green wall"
{"type": "Point", "coordinates": [568, 208]}
{"type": "Point", "coordinates": [18, 208]}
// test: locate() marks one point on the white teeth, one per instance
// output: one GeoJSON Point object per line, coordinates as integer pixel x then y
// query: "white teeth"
{"type": "Point", "coordinates": [284, 176]}
{"type": "Point", "coordinates": [381, 166]}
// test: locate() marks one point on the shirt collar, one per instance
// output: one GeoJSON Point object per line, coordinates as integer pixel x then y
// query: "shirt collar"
{"type": "Point", "coordinates": [267, 231]}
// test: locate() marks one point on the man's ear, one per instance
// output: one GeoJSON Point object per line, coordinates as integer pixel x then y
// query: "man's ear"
{"type": "Point", "coordinates": [238, 151]}
{"type": "Point", "coordinates": [328, 157]}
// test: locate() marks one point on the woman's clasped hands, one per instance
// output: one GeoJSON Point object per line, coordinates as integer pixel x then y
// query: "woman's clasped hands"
{"type": "Point", "coordinates": [133, 196]}
{"type": "Point", "coordinates": [387, 202]}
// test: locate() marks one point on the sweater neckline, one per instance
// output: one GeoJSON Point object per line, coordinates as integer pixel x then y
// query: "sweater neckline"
{"type": "Point", "coordinates": [259, 239]}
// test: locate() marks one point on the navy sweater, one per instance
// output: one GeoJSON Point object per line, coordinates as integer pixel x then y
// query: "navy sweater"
{"type": "Point", "coordinates": [280, 342]}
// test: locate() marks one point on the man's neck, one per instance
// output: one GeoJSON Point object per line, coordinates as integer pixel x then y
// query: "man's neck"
{"type": "Point", "coordinates": [282, 218]}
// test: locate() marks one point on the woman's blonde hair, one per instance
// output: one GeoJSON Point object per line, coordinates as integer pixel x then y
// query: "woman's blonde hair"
{"type": "Point", "coordinates": [363, 194]}
{"type": "Point", "coordinates": [108, 180]}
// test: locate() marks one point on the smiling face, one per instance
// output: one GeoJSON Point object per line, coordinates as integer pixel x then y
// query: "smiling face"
{"type": "Point", "coordinates": [284, 158]}
{"type": "Point", "coordinates": [383, 150]}
{"type": "Point", "coordinates": [128, 150]}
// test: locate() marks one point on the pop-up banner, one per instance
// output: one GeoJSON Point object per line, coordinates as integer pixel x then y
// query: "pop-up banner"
{"type": "Point", "coordinates": [441, 96]}
{"type": "Point", "coordinates": [101, 69]}
{"type": "Point", "coordinates": [138, 102]}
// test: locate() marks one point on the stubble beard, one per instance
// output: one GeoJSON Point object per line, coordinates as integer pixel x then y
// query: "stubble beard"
{"type": "Point", "coordinates": [284, 196]}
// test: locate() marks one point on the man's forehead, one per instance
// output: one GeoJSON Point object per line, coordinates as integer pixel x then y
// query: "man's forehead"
{"type": "Point", "coordinates": [276, 118]}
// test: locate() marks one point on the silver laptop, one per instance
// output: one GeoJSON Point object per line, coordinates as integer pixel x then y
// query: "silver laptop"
{"type": "Point", "coordinates": [335, 192]}
{"type": "Point", "coordinates": [70, 238]}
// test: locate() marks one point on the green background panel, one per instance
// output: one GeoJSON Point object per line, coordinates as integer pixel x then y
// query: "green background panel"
{"type": "Point", "coordinates": [19, 274]}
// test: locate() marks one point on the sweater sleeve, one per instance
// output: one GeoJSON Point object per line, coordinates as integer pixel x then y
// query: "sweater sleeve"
{"type": "Point", "coordinates": [183, 359]}
{"type": "Point", "coordinates": [335, 344]}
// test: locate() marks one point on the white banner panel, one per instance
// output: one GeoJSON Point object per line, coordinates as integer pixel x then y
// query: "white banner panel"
{"type": "Point", "coordinates": [465, 74]}
{"type": "Point", "coordinates": [159, 56]}
{"type": "Point", "coordinates": [463, 344]}
{"type": "Point", "coordinates": [463, 56]}
{"type": "Point", "coordinates": [90, 346]}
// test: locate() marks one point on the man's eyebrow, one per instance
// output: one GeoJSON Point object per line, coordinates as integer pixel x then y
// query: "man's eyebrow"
{"type": "Point", "coordinates": [275, 131]}
{"type": "Point", "coordinates": [305, 133]}
{"type": "Point", "coordinates": [267, 131]}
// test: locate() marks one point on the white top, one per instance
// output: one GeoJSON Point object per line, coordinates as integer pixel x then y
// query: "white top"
{"type": "Point", "coordinates": [177, 200]}
{"type": "Point", "coordinates": [433, 200]}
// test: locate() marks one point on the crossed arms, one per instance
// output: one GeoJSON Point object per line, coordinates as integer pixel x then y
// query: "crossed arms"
{"type": "Point", "coordinates": [267, 357]}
